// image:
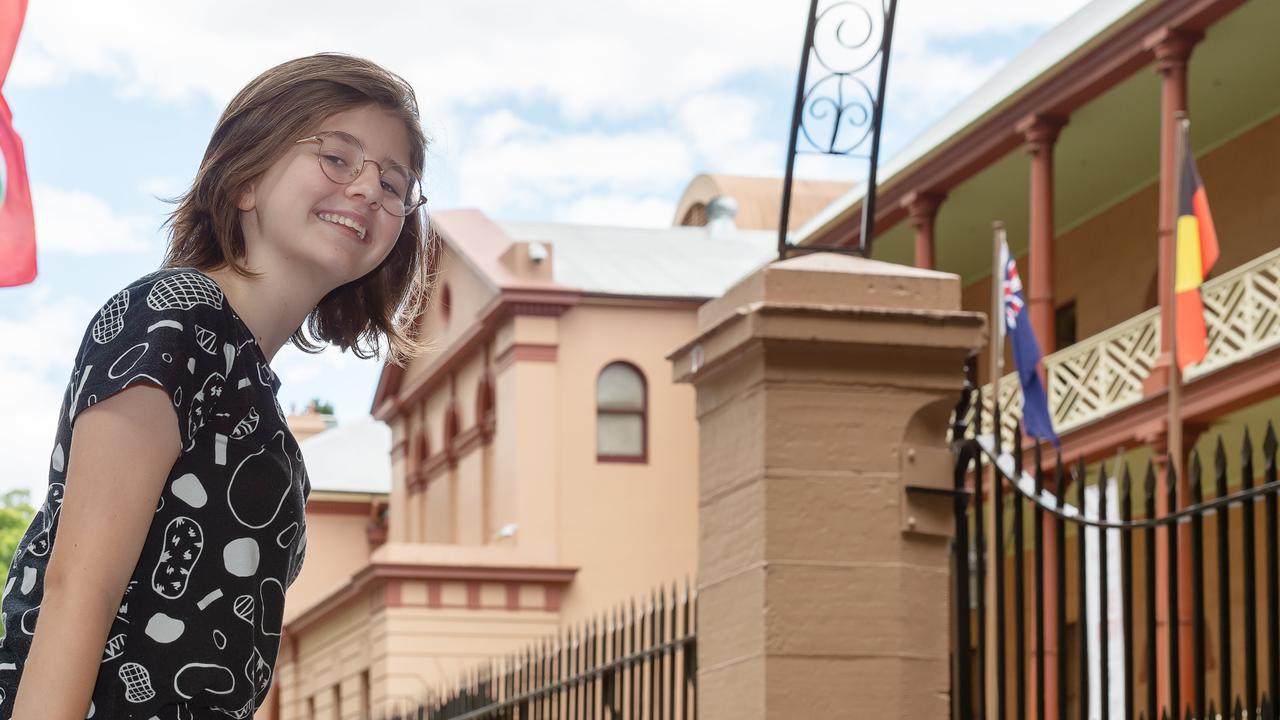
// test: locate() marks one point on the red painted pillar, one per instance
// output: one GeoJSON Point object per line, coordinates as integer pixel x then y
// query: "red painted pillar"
{"type": "Point", "coordinates": [1172, 49]}
{"type": "Point", "coordinates": [922, 210]}
{"type": "Point", "coordinates": [1040, 133]}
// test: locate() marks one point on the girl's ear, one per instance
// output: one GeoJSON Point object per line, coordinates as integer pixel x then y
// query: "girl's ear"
{"type": "Point", "coordinates": [246, 200]}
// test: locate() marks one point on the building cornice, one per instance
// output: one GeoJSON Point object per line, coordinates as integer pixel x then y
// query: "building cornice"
{"type": "Point", "coordinates": [376, 572]}
{"type": "Point", "coordinates": [507, 304]}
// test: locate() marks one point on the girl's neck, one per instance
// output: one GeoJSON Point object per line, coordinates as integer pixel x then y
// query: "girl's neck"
{"type": "Point", "coordinates": [271, 305]}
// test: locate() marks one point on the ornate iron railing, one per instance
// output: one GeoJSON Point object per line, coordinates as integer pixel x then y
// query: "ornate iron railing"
{"type": "Point", "coordinates": [837, 111]}
{"type": "Point", "coordinates": [1104, 373]}
{"type": "Point", "coordinates": [628, 664]}
{"type": "Point", "coordinates": [1082, 628]}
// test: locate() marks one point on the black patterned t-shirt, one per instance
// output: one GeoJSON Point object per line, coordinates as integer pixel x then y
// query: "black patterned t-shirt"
{"type": "Point", "coordinates": [199, 625]}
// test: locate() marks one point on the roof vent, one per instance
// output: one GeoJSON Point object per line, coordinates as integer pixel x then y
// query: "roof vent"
{"type": "Point", "coordinates": [720, 214]}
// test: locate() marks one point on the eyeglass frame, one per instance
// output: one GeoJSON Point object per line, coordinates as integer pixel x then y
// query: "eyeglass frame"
{"type": "Point", "coordinates": [319, 137]}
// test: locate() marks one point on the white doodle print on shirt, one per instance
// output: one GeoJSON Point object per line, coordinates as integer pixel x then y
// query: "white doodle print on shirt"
{"type": "Point", "coordinates": [258, 671]}
{"type": "Point", "coordinates": [189, 490]}
{"type": "Point", "coordinates": [206, 339]}
{"type": "Point", "coordinates": [137, 683]}
{"type": "Point", "coordinates": [39, 545]}
{"type": "Point", "coordinates": [199, 677]}
{"type": "Point", "coordinates": [209, 394]}
{"type": "Point", "coordinates": [247, 425]}
{"type": "Point", "coordinates": [271, 607]}
{"type": "Point", "coordinates": [240, 557]}
{"type": "Point", "coordinates": [115, 648]}
{"type": "Point", "coordinates": [127, 361]}
{"type": "Point", "coordinates": [183, 541]}
{"type": "Point", "coordinates": [165, 629]}
{"type": "Point", "coordinates": [58, 461]}
{"type": "Point", "coordinates": [122, 614]}
{"type": "Point", "coordinates": [240, 713]}
{"type": "Point", "coordinates": [243, 608]}
{"type": "Point", "coordinates": [184, 291]}
{"type": "Point", "coordinates": [253, 503]}
{"type": "Point", "coordinates": [111, 320]}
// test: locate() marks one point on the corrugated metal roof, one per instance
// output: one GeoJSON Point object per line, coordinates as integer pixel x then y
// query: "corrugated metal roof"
{"type": "Point", "coordinates": [698, 262]}
{"type": "Point", "coordinates": [355, 457]}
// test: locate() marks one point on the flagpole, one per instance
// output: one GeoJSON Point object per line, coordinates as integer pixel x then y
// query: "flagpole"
{"type": "Point", "coordinates": [1174, 434]}
{"type": "Point", "coordinates": [1177, 472]}
{"type": "Point", "coordinates": [997, 316]}
{"type": "Point", "coordinates": [995, 552]}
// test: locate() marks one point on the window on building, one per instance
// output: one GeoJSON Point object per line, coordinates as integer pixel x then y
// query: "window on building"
{"type": "Point", "coordinates": [365, 701]}
{"type": "Point", "coordinates": [621, 414]}
{"type": "Point", "coordinates": [1064, 326]}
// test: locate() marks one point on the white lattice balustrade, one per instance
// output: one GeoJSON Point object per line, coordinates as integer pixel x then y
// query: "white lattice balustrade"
{"type": "Point", "coordinates": [1104, 373]}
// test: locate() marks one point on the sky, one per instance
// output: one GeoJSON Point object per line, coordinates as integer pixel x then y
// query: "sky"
{"type": "Point", "coordinates": [561, 110]}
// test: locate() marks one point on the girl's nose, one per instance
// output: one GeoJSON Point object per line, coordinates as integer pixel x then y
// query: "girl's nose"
{"type": "Point", "coordinates": [367, 184]}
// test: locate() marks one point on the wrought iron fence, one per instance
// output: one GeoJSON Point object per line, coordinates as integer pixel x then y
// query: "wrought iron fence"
{"type": "Point", "coordinates": [631, 663]}
{"type": "Point", "coordinates": [1078, 626]}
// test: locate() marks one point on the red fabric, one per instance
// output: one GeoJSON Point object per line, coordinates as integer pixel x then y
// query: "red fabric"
{"type": "Point", "coordinates": [1192, 335]}
{"type": "Point", "coordinates": [17, 222]}
{"type": "Point", "coordinates": [11, 14]}
{"type": "Point", "coordinates": [1208, 234]}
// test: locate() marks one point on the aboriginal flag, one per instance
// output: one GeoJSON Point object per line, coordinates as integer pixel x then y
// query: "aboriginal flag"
{"type": "Point", "coordinates": [1196, 246]}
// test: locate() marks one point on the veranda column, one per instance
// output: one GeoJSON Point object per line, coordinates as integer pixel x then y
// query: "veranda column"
{"type": "Point", "coordinates": [824, 386]}
{"type": "Point", "coordinates": [1040, 133]}
{"type": "Point", "coordinates": [922, 209]}
{"type": "Point", "coordinates": [1172, 49]}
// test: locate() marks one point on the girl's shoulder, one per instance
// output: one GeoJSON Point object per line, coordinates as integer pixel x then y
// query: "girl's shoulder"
{"type": "Point", "coordinates": [169, 292]}
{"type": "Point", "coordinates": [176, 287]}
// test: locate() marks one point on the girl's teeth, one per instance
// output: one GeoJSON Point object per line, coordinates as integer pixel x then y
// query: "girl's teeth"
{"type": "Point", "coordinates": [340, 220]}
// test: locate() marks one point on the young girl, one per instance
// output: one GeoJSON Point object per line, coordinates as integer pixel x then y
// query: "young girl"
{"type": "Point", "coordinates": [151, 583]}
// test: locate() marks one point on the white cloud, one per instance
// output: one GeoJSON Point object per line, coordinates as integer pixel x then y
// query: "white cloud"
{"type": "Point", "coordinates": [723, 131]}
{"type": "Point", "coordinates": [625, 210]}
{"type": "Point", "coordinates": [518, 165]}
{"type": "Point", "coordinates": [34, 370]}
{"type": "Point", "coordinates": [608, 59]}
{"type": "Point", "coordinates": [79, 223]}
{"type": "Point", "coordinates": [658, 70]}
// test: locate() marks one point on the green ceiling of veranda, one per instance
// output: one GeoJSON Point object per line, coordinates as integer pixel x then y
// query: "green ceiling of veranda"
{"type": "Point", "coordinates": [1110, 148]}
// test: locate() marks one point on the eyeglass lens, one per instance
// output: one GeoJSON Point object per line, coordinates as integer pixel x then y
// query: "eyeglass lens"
{"type": "Point", "coordinates": [342, 159]}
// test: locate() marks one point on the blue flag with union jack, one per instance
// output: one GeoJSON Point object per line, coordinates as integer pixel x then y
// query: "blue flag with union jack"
{"type": "Point", "coordinates": [1036, 421]}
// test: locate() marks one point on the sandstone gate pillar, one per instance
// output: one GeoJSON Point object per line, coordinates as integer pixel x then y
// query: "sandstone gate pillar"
{"type": "Point", "coordinates": [824, 384]}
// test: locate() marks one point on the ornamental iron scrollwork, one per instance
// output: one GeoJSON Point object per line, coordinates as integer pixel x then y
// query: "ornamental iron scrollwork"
{"type": "Point", "coordinates": [839, 113]}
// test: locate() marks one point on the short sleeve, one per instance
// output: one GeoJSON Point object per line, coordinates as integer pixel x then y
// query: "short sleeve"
{"type": "Point", "coordinates": [169, 329]}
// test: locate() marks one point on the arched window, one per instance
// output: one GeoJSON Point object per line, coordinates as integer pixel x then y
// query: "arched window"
{"type": "Point", "coordinates": [446, 304]}
{"type": "Point", "coordinates": [450, 430]}
{"type": "Point", "coordinates": [621, 414]}
{"type": "Point", "coordinates": [485, 405]}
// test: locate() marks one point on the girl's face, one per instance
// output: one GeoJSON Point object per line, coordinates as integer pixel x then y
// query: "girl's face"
{"type": "Point", "coordinates": [288, 216]}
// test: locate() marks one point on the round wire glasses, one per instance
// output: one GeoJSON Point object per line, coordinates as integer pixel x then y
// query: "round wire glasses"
{"type": "Point", "coordinates": [341, 157]}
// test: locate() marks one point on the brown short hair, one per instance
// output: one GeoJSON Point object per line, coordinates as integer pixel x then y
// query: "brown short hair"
{"type": "Point", "coordinates": [256, 129]}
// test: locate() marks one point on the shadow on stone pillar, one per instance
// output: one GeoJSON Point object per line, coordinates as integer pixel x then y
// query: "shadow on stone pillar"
{"type": "Point", "coordinates": [823, 388]}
